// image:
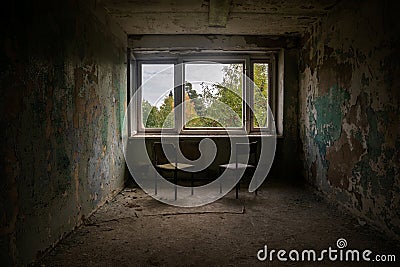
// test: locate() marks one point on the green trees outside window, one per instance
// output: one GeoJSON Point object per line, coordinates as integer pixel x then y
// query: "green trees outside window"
{"type": "Point", "coordinates": [212, 104]}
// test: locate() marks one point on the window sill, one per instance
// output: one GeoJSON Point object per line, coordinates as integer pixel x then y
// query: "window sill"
{"type": "Point", "coordinates": [158, 135]}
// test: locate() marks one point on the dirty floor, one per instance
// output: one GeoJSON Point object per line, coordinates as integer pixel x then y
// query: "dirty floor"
{"type": "Point", "coordinates": [135, 230]}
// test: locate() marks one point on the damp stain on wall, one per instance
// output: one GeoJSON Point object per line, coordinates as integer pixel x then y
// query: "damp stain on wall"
{"type": "Point", "coordinates": [349, 110]}
{"type": "Point", "coordinates": [62, 73]}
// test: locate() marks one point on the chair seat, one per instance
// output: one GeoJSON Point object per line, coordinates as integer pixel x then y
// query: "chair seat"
{"type": "Point", "coordinates": [239, 166]}
{"type": "Point", "coordinates": [171, 166]}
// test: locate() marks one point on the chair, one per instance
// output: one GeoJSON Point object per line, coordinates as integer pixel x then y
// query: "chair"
{"type": "Point", "coordinates": [242, 149]}
{"type": "Point", "coordinates": [162, 163]}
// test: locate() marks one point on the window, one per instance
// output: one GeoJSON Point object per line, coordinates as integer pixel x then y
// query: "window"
{"type": "Point", "coordinates": [213, 95]}
{"type": "Point", "coordinates": [157, 101]}
{"type": "Point", "coordinates": [203, 94]}
{"type": "Point", "coordinates": [260, 97]}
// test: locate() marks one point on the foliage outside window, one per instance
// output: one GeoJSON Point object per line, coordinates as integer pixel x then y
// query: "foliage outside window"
{"type": "Point", "coordinates": [207, 91]}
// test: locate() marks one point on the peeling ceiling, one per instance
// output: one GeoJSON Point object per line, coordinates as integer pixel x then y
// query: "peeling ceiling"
{"type": "Point", "coordinates": [250, 17]}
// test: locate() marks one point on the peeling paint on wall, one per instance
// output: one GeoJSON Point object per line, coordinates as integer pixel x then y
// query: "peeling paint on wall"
{"type": "Point", "coordinates": [61, 71]}
{"type": "Point", "coordinates": [326, 118]}
{"type": "Point", "coordinates": [349, 110]}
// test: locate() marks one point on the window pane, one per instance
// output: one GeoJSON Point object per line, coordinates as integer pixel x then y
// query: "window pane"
{"type": "Point", "coordinates": [157, 95]}
{"type": "Point", "coordinates": [260, 71]}
{"type": "Point", "coordinates": [213, 95]}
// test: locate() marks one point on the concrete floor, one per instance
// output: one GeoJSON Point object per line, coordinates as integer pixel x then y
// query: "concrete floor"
{"type": "Point", "coordinates": [135, 230]}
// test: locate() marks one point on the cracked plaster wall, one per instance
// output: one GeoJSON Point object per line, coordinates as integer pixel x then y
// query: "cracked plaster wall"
{"type": "Point", "coordinates": [349, 109]}
{"type": "Point", "coordinates": [63, 79]}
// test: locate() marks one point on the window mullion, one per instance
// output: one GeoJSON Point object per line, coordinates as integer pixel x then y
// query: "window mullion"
{"type": "Point", "coordinates": [132, 96]}
{"type": "Point", "coordinates": [138, 96]}
{"type": "Point", "coordinates": [178, 91]}
{"type": "Point", "coordinates": [272, 91]}
{"type": "Point", "coordinates": [247, 119]}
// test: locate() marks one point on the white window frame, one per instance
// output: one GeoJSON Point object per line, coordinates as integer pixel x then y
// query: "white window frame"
{"type": "Point", "coordinates": [275, 94]}
{"type": "Point", "coordinates": [271, 89]}
{"type": "Point", "coordinates": [138, 105]}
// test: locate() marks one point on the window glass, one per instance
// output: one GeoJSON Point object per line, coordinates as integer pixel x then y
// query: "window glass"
{"type": "Point", "coordinates": [260, 94]}
{"type": "Point", "coordinates": [157, 95]}
{"type": "Point", "coordinates": [213, 95]}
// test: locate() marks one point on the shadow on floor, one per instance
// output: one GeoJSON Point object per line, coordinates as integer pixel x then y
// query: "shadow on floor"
{"type": "Point", "coordinates": [135, 230]}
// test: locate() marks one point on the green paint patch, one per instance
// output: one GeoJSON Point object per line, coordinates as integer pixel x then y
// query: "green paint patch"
{"type": "Point", "coordinates": [378, 183]}
{"type": "Point", "coordinates": [120, 95]}
{"type": "Point", "coordinates": [329, 116]}
{"type": "Point", "coordinates": [358, 136]}
{"type": "Point", "coordinates": [121, 107]}
{"type": "Point", "coordinates": [375, 138]}
{"type": "Point", "coordinates": [104, 129]}
{"type": "Point", "coordinates": [364, 80]}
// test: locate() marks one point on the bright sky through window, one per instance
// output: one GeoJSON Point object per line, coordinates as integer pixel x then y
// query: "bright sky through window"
{"type": "Point", "coordinates": [209, 73]}
{"type": "Point", "coordinates": [156, 87]}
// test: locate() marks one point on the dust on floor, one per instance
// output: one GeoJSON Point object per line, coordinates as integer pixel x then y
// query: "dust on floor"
{"type": "Point", "coordinates": [136, 230]}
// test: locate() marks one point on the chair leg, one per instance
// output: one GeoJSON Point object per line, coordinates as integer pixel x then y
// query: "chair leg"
{"type": "Point", "coordinates": [155, 183]}
{"type": "Point", "coordinates": [237, 185]}
{"type": "Point", "coordinates": [220, 183]}
{"type": "Point", "coordinates": [192, 183]}
{"type": "Point", "coordinates": [176, 183]}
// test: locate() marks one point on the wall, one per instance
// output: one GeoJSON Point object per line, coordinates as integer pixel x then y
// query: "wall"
{"type": "Point", "coordinates": [349, 109]}
{"type": "Point", "coordinates": [63, 82]}
{"type": "Point", "coordinates": [287, 164]}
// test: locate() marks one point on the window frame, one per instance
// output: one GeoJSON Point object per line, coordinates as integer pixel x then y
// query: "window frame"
{"type": "Point", "coordinates": [271, 89]}
{"type": "Point", "coordinates": [138, 106]}
{"type": "Point", "coordinates": [247, 59]}
{"type": "Point", "coordinates": [221, 60]}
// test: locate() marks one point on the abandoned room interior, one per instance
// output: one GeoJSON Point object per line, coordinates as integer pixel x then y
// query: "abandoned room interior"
{"type": "Point", "coordinates": [81, 81]}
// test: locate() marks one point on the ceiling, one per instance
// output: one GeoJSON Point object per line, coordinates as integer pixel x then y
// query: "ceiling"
{"type": "Point", "coordinates": [249, 17]}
